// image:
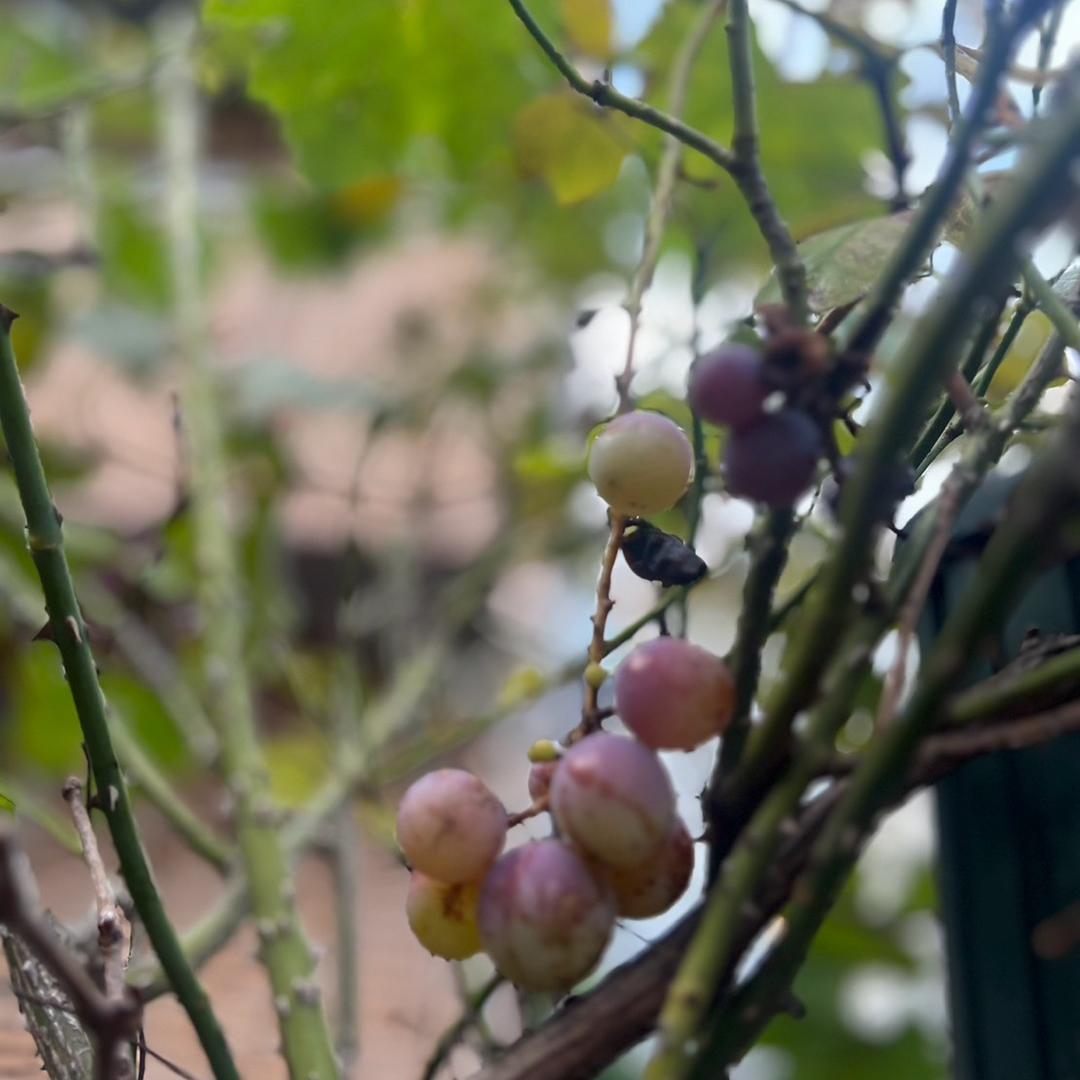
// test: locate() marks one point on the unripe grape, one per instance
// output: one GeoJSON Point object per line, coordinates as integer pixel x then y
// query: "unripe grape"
{"type": "Point", "coordinates": [613, 798]}
{"type": "Point", "coordinates": [651, 887]}
{"type": "Point", "coordinates": [540, 777]}
{"type": "Point", "coordinates": [727, 386]}
{"type": "Point", "coordinates": [641, 463]}
{"type": "Point", "coordinates": [544, 918]}
{"type": "Point", "coordinates": [544, 750]}
{"type": "Point", "coordinates": [444, 917]}
{"type": "Point", "coordinates": [773, 461]}
{"type": "Point", "coordinates": [674, 695]}
{"type": "Point", "coordinates": [450, 826]}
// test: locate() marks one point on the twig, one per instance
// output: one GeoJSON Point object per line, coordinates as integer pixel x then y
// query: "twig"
{"type": "Point", "coordinates": [948, 51]}
{"type": "Point", "coordinates": [460, 1027]}
{"type": "Point", "coordinates": [746, 168]}
{"type": "Point", "coordinates": [46, 546]}
{"type": "Point", "coordinates": [739, 164]}
{"type": "Point", "coordinates": [114, 930]}
{"type": "Point", "coordinates": [590, 721]}
{"type": "Point", "coordinates": [938, 201]}
{"type": "Point", "coordinates": [283, 949]}
{"type": "Point", "coordinates": [878, 68]}
{"type": "Point", "coordinates": [604, 94]}
{"type": "Point", "coordinates": [664, 190]}
{"type": "Point", "coordinates": [1048, 36]}
{"type": "Point", "coordinates": [112, 1019]}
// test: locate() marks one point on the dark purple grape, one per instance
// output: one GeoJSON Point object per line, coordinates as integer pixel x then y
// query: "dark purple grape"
{"type": "Point", "coordinates": [773, 461]}
{"type": "Point", "coordinates": [727, 386]}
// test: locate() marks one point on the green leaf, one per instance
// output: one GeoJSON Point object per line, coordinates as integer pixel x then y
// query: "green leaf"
{"type": "Point", "coordinates": [6, 805]}
{"type": "Point", "coordinates": [573, 148]}
{"type": "Point", "coordinates": [842, 262]}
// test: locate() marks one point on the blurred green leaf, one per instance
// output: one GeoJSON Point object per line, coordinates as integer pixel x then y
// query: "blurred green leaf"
{"type": "Point", "coordinates": [6, 805]}
{"type": "Point", "coordinates": [353, 102]}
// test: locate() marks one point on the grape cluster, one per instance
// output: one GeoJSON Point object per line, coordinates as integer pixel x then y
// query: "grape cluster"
{"type": "Point", "coordinates": [544, 911]}
{"type": "Point", "coordinates": [771, 457]}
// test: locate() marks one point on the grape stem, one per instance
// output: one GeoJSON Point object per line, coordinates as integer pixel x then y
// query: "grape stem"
{"type": "Point", "coordinates": [535, 809]}
{"type": "Point", "coordinates": [590, 711]}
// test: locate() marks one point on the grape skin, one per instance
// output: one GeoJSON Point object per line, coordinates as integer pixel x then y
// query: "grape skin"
{"type": "Point", "coordinates": [540, 777]}
{"type": "Point", "coordinates": [651, 887]}
{"type": "Point", "coordinates": [450, 826]}
{"type": "Point", "coordinates": [774, 460]}
{"type": "Point", "coordinates": [641, 464]}
{"type": "Point", "coordinates": [728, 387]}
{"type": "Point", "coordinates": [545, 920]}
{"type": "Point", "coordinates": [613, 797]}
{"type": "Point", "coordinates": [674, 695]}
{"type": "Point", "coordinates": [444, 917]}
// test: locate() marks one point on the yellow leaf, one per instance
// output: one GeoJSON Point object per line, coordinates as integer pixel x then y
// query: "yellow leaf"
{"type": "Point", "coordinates": [588, 25]}
{"type": "Point", "coordinates": [368, 201]}
{"type": "Point", "coordinates": [569, 145]}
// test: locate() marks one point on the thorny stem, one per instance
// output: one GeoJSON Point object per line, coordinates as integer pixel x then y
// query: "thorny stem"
{"type": "Point", "coordinates": [45, 541]}
{"type": "Point", "coordinates": [306, 1043]}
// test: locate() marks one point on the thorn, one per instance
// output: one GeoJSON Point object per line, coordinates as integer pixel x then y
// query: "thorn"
{"type": "Point", "coordinates": [7, 318]}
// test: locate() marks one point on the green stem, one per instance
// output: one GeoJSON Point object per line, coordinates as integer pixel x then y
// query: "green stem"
{"type": "Point", "coordinates": [283, 949]}
{"type": "Point", "coordinates": [45, 540]}
{"type": "Point", "coordinates": [1038, 515]}
{"type": "Point", "coordinates": [769, 548]}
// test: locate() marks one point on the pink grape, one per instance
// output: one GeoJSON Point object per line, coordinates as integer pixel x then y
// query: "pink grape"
{"type": "Point", "coordinates": [641, 463]}
{"type": "Point", "coordinates": [674, 695]}
{"type": "Point", "coordinates": [450, 826]}
{"type": "Point", "coordinates": [540, 776]}
{"type": "Point", "coordinates": [544, 918]}
{"type": "Point", "coordinates": [444, 917]}
{"type": "Point", "coordinates": [727, 386]}
{"type": "Point", "coordinates": [612, 797]}
{"type": "Point", "coordinates": [651, 887]}
{"type": "Point", "coordinates": [773, 461]}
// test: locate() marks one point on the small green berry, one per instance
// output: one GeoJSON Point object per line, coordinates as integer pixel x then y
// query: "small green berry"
{"type": "Point", "coordinates": [595, 675]}
{"type": "Point", "coordinates": [543, 751]}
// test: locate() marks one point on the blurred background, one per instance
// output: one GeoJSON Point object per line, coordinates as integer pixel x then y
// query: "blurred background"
{"type": "Point", "coordinates": [413, 246]}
